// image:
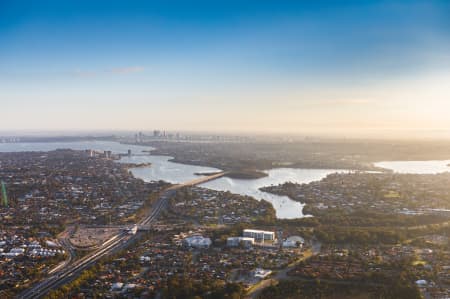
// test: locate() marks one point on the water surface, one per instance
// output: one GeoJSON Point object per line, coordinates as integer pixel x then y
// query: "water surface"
{"type": "Point", "coordinates": [162, 169]}
{"type": "Point", "coordinates": [416, 167]}
{"type": "Point", "coordinates": [115, 147]}
{"type": "Point", "coordinates": [284, 206]}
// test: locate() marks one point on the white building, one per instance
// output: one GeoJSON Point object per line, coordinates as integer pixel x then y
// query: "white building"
{"type": "Point", "coordinates": [293, 242]}
{"type": "Point", "coordinates": [51, 243]}
{"type": "Point", "coordinates": [421, 283]}
{"type": "Point", "coordinates": [117, 286]}
{"type": "Point", "coordinates": [236, 241]}
{"type": "Point", "coordinates": [17, 251]}
{"type": "Point", "coordinates": [144, 258]}
{"type": "Point", "coordinates": [261, 273]}
{"type": "Point", "coordinates": [198, 242]}
{"type": "Point", "coordinates": [259, 234]}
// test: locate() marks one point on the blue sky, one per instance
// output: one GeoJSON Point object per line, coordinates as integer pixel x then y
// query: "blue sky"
{"type": "Point", "coordinates": [275, 66]}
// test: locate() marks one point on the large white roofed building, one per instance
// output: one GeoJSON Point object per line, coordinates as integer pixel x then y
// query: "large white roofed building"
{"type": "Point", "coordinates": [197, 242]}
{"type": "Point", "coordinates": [259, 234]}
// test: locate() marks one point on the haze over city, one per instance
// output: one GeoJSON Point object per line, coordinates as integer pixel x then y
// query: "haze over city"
{"type": "Point", "coordinates": [170, 149]}
{"type": "Point", "coordinates": [347, 68]}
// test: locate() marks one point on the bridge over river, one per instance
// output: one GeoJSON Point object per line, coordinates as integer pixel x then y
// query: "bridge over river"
{"type": "Point", "coordinates": [200, 180]}
{"type": "Point", "coordinates": [145, 225]}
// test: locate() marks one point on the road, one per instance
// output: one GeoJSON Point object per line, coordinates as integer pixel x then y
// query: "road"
{"type": "Point", "coordinates": [114, 244]}
{"type": "Point", "coordinates": [280, 275]}
{"type": "Point", "coordinates": [283, 275]}
{"type": "Point", "coordinates": [65, 243]}
{"type": "Point", "coordinates": [66, 272]}
{"type": "Point", "coordinates": [200, 180]}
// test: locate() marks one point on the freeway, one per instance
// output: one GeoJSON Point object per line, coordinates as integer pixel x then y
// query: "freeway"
{"type": "Point", "coordinates": [65, 243]}
{"type": "Point", "coordinates": [200, 180]}
{"type": "Point", "coordinates": [112, 245]}
{"type": "Point", "coordinates": [68, 272]}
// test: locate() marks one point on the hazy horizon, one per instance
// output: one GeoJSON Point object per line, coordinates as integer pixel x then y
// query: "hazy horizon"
{"type": "Point", "coordinates": [307, 135]}
{"type": "Point", "coordinates": [357, 69]}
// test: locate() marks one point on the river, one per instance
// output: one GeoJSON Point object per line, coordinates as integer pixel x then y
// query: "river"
{"type": "Point", "coordinates": [416, 167]}
{"type": "Point", "coordinates": [162, 169]}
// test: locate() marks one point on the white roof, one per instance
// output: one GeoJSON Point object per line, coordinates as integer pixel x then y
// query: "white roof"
{"type": "Point", "coordinates": [51, 244]}
{"type": "Point", "coordinates": [257, 231]}
{"type": "Point", "coordinates": [198, 241]}
{"type": "Point", "coordinates": [296, 239]}
{"type": "Point", "coordinates": [421, 282]}
{"type": "Point", "coordinates": [261, 273]}
{"type": "Point", "coordinates": [289, 243]}
{"type": "Point", "coordinates": [117, 286]}
{"type": "Point", "coordinates": [241, 238]}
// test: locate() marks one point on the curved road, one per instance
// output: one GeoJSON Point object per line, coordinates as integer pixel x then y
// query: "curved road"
{"type": "Point", "coordinates": [117, 242]}
{"type": "Point", "coordinates": [66, 272]}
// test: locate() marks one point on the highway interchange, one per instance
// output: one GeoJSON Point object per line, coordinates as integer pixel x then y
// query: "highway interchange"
{"type": "Point", "coordinates": [68, 271]}
{"type": "Point", "coordinates": [114, 244]}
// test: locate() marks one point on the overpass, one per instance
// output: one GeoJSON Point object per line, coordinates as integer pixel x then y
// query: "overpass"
{"type": "Point", "coordinates": [144, 225]}
{"type": "Point", "coordinates": [62, 275]}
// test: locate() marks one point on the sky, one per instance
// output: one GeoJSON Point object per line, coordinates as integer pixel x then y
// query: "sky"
{"type": "Point", "coordinates": [347, 68]}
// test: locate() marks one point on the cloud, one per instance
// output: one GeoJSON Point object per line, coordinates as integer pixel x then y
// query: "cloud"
{"type": "Point", "coordinates": [127, 70]}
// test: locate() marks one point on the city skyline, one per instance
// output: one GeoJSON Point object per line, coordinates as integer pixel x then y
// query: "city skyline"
{"type": "Point", "coordinates": [359, 68]}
